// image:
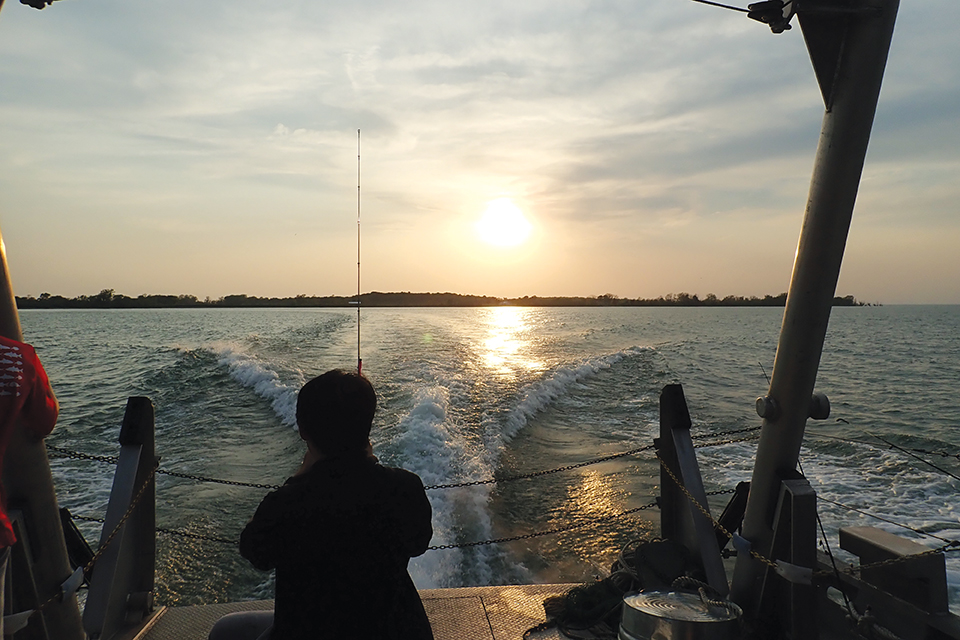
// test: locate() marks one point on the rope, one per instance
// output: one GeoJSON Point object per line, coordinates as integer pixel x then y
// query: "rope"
{"type": "Point", "coordinates": [833, 561]}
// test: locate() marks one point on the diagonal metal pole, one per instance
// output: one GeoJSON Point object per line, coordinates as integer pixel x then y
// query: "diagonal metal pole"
{"type": "Point", "coordinates": [849, 51]}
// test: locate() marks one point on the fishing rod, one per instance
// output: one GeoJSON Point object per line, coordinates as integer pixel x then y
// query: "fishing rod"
{"type": "Point", "coordinates": [359, 359]}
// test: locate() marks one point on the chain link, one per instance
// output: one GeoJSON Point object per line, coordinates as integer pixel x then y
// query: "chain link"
{"type": "Point", "coordinates": [720, 442]}
{"type": "Point", "coordinates": [235, 483]}
{"type": "Point", "coordinates": [703, 436]}
{"type": "Point", "coordinates": [103, 547]}
{"type": "Point", "coordinates": [953, 545]}
{"type": "Point", "coordinates": [947, 548]}
{"type": "Point", "coordinates": [76, 455]}
{"type": "Point", "coordinates": [537, 534]}
{"type": "Point", "coordinates": [170, 532]}
{"type": "Point", "coordinates": [537, 474]}
{"type": "Point", "coordinates": [703, 510]}
{"type": "Point", "coordinates": [59, 452]}
{"type": "Point", "coordinates": [942, 454]}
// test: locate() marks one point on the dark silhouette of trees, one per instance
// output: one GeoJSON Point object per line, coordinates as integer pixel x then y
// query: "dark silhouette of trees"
{"type": "Point", "coordinates": [109, 299]}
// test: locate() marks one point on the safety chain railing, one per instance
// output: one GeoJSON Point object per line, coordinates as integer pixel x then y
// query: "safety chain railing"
{"type": "Point", "coordinates": [17, 621]}
{"type": "Point", "coordinates": [537, 474]}
{"type": "Point", "coordinates": [950, 545]}
{"type": "Point", "coordinates": [173, 532]}
{"type": "Point", "coordinates": [538, 534]}
{"type": "Point", "coordinates": [716, 524]}
{"type": "Point", "coordinates": [59, 452]}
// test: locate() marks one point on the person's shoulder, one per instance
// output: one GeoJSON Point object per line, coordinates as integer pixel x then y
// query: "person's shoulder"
{"type": "Point", "coordinates": [10, 346]}
{"type": "Point", "coordinates": [396, 474]}
{"type": "Point", "coordinates": [19, 353]}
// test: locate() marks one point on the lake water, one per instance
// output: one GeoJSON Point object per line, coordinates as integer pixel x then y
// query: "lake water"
{"type": "Point", "coordinates": [470, 394]}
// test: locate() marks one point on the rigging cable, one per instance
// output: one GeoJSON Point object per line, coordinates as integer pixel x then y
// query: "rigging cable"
{"type": "Point", "coordinates": [833, 561]}
{"type": "Point", "coordinates": [899, 448]}
{"type": "Point", "coordinates": [722, 6]}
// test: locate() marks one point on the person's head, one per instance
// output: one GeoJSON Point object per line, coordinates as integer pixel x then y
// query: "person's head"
{"type": "Point", "coordinates": [335, 411]}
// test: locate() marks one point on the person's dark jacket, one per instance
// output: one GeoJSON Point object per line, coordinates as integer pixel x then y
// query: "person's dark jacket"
{"type": "Point", "coordinates": [340, 537]}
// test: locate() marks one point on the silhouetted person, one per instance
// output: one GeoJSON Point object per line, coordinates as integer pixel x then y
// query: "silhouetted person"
{"type": "Point", "coordinates": [339, 533]}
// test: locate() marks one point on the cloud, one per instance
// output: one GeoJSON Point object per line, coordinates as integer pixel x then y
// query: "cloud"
{"type": "Point", "coordinates": [605, 119]}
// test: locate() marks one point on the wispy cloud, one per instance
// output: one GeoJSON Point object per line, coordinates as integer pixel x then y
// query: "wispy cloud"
{"type": "Point", "coordinates": [633, 134]}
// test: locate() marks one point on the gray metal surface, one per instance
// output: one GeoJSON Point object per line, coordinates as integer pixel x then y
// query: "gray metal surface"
{"type": "Point", "coordinates": [858, 44]}
{"type": "Point", "coordinates": [477, 613]}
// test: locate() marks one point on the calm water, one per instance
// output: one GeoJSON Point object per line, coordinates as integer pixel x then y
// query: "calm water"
{"type": "Point", "coordinates": [466, 394]}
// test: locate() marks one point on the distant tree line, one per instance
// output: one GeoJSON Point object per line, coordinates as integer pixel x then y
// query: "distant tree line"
{"type": "Point", "coordinates": [108, 299]}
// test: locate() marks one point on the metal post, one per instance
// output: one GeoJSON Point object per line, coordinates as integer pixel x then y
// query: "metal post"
{"type": "Point", "coordinates": [689, 525]}
{"type": "Point", "coordinates": [121, 587]}
{"type": "Point", "coordinates": [792, 606]}
{"type": "Point", "coordinates": [849, 51]}
{"type": "Point", "coordinates": [29, 487]}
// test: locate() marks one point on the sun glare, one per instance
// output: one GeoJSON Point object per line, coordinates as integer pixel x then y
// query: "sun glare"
{"type": "Point", "coordinates": [503, 224]}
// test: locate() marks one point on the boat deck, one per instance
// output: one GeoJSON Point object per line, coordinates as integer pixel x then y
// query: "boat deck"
{"type": "Point", "coordinates": [478, 613]}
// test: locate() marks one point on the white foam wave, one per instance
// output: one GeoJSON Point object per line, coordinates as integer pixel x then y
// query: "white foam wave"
{"type": "Point", "coordinates": [432, 446]}
{"type": "Point", "coordinates": [436, 447]}
{"type": "Point", "coordinates": [258, 375]}
{"type": "Point", "coordinates": [539, 395]}
{"type": "Point", "coordinates": [878, 482]}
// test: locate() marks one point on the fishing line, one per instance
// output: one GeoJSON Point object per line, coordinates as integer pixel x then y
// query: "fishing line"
{"type": "Point", "coordinates": [359, 359]}
{"type": "Point", "coordinates": [764, 373]}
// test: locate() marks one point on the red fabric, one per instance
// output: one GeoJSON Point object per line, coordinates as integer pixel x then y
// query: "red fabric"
{"type": "Point", "coordinates": [24, 393]}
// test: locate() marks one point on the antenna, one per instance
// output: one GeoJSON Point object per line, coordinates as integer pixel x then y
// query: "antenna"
{"type": "Point", "coordinates": [359, 359]}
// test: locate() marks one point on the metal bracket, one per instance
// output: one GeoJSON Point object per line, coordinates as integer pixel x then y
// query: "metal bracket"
{"type": "Point", "coordinates": [124, 572]}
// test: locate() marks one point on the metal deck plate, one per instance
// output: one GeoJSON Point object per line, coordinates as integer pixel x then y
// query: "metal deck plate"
{"type": "Point", "coordinates": [474, 613]}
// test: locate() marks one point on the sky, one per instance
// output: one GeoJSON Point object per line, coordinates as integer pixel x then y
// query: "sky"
{"type": "Point", "coordinates": [652, 146]}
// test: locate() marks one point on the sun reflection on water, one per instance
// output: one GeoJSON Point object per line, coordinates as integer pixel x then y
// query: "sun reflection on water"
{"type": "Point", "coordinates": [595, 497]}
{"type": "Point", "coordinates": [509, 344]}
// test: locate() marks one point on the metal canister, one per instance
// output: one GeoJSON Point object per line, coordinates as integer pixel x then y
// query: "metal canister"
{"type": "Point", "coordinates": [675, 615]}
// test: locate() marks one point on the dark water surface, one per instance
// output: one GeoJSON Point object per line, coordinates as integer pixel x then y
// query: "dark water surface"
{"type": "Point", "coordinates": [469, 394]}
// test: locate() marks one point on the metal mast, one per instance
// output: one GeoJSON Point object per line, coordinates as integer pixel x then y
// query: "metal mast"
{"type": "Point", "coordinates": [848, 44]}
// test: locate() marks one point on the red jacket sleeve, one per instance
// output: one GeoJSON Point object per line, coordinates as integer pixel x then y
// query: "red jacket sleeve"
{"type": "Point", "coordinates": [40, 410]}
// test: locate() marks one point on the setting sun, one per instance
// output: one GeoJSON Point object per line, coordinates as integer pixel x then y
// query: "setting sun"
{"type": "Point", "coordinates": [503, 224]}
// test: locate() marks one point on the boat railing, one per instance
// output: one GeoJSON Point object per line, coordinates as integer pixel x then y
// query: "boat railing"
{"type": "Point", "coordinates": [121, 587]}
